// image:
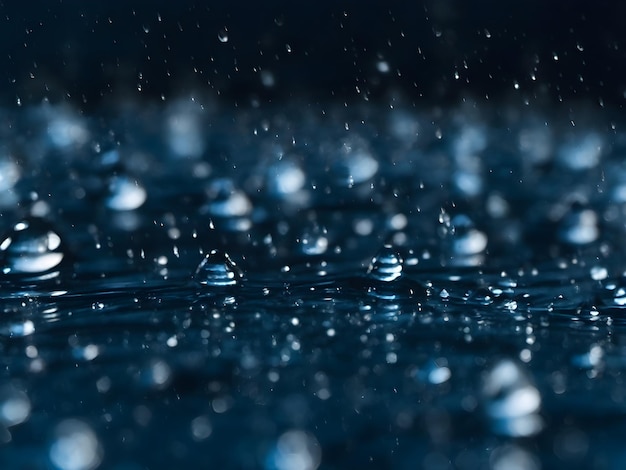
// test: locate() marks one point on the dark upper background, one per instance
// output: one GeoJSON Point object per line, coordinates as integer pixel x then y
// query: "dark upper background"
{"type": "Point", "coordinates": [96, 52]}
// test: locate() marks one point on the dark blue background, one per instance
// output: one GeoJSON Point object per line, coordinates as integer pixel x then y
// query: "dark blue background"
{"type": "Point", "coordinates": [91, 51]}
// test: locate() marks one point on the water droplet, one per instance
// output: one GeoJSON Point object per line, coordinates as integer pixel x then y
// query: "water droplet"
{"type": "Point", "coordinates": [464, 245]}
{"type": "Point", "coordinates": [225, 200]}
{"type": "Point", "coordinates": [222, 35]}
{"type": "Point", "coordinates": [579, 226]}
{"type": "Point", "coordinates": [353, 163]}
{"type": "Point", "coordinates": [125, 194]}
{"type": "Point", "coordinates": [295, 450]}
{"type": "Point", "coordinates": [386, 266]}
{"type": "Point", "coordinates": [217, 269]}
{"type": "Point", "coordinates": [581, 153]}
{"type": "Point", "coordinates": [10, 174]}
{"type": "Point", "coordinates": [15, 406]}
{"type": "Point", "coordinates": [512, 402]}
{"type": "Point", "coordinates": [75, 446]}
{"type": "Point", "coordinates": [31, 247]}
{"type": "Point", "coordinates": [314, 241]}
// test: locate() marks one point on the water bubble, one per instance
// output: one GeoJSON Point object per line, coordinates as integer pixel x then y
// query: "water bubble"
{"type": "Point", "coordinates": [31, 247]}
{"type": "Point", "coordinates": [386, 266]}
{"type": "Point", "coordinates": [75, 446]}
{"type": "Point", "coordinates": [295, 450]}
{"type": "Point", "coordinates": [512, 402]}
{"type": "Point", "coordinates": [125, 194]}
{"type": "Point", "coordinates": [217, 269]}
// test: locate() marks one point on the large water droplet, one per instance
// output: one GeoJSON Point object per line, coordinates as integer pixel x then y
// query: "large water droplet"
{"type": "Point", "coordinates": [125, 194]}
{"type": "Point", "coordinates": [31, 247]}
{"type": "Point", "coordinates": [354, 163]}
{"type": "Point", "coordinates": [512, 402]}
{"type": "Point", "coordinates": [386, 266]}
{"type": "Point", "coordinates": [217, 269]}
{"type": "Point", "coordinates": [464, 244]}
{"type": "Point", "coordinates": [579, 226]}
{"type": "Point", "coordinates": [314, 241]}
{"type": "Point", "coordinates": [75, 447]}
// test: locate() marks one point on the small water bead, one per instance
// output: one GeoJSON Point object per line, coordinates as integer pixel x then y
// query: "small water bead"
{"type": "Point", "coordinates": [31, 247]}
{"type": "Point", "coordinates": [218, 270]}
{"type": "Point", "coordinates": [386, 266]}
{"type": "Point", "coordinates": [512, 403]}
{"type": "Point", "coordinates": [15, 406]}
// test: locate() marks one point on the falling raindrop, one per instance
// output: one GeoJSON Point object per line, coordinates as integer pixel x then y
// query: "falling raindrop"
{"type": "Point", "coordinates": [218, 270]}
{"type": "Point", "coordinates": [31, 247]}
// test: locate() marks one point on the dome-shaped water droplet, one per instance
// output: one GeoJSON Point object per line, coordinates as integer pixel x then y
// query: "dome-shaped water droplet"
{"type": "Point", "coordinates": [31, 247]}
{"type": "Point", "coordinates": [226, 200]}
{"type": "Point", "coordinates": [463, 243]}
{"type": "Point", "coordinates": [217, 269]}
{"type": "Point", "coordinates": [353, 163]}
{"type": "Point", "coordinates": [386, 266]}
{"type": "Point", "coordinates": [125, 194]}
{"type": "Point", "coordinates": [579, 226]}
{"type": "Point", "coordinates": [314, 241]}
{"type": "Point", "coordinates": [511, 401]}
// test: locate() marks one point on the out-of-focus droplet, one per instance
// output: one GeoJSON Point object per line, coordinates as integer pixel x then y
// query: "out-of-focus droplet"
{"type": "Point", "coordinates": [284, 178]}
{"type": "Point", "coordinates": [222, 35]}
{"type": "Point", "coordinates": [183, 129]}
{"type": "Point", "coordinates": [295, 450]}
{"type": "Point", "coordinates": [579, 226]}
{"type": "Point", "coordinates": [314, 241]}
{"type": "Point", "coordinates": [582, 152]}
{"type": "Point", "coordinates": [512, 403]}
{"type": "Point", "coordinates": [463, 243]}
{"type": "Point", "coordinates": [217, 269]}
{"type": "Point", "coordinates": [353, 163]}
{"type": "Point", "coordinates": [31, 247]}
{"type": "Point", "coordinates": [15, 406]}
{"type": "Point", "coordinates": [386, 266]}
{"type": "Point", "coordinates": [125, 194]}
{"type": "Point", "coordinates": [75, 446]}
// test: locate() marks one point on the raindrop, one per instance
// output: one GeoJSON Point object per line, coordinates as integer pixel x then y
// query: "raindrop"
{"type": "Point", "coordinates": [581, 153]}
{"type": "Point", "coordinates": [31, 247]}
{"type": "Point", "coordinates": [464, 244]}
{"type": "Point", "coordinates": [295, 450]}
{"type": "Point", "coordinates": [225, 200]}
{"type": "Point", "coordinates": [15, 406]}
{"type": "Point", "coordinates": [512, 402]}
{"type": "Point", "coordinates": [579, 226]}
{"type": "Point", "coordinates": [218, 270]}
{"type": "Point", "coordinates": [314, 241]}
{"type": "Point", "coordinates": [75, 446]}
{"type": "Point", "coordinates": [125, 194]}
{"type": "Point", "coordinates": [354, 163]}
{"type": "Point", "coordinates": [222, 35]}
{"type": "Point", "coordinates": [386, 266]}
